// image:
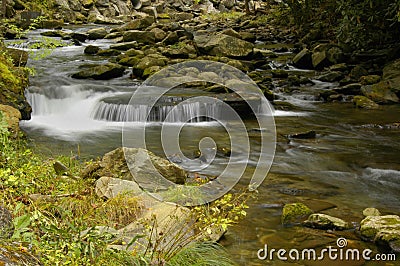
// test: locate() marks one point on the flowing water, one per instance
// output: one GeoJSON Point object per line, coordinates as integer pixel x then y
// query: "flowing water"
{"type": "Point", "coordinates": [348, 164]}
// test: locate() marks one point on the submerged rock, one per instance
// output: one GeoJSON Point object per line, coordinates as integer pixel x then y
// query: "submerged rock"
{"type": "Point", "coordinates": [103, 72]}
{"type": "Point", "coordinates": [294, 213]}
{"type": "Point", "coordinates": [306, 135]}
{"type": "Point", "coordinates": [324, 221]}
{"type": "Point", "coordinates": [364, 102]}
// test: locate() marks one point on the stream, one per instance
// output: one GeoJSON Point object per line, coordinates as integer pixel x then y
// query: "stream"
{"type": "Point", "coordinates": [349, 164]}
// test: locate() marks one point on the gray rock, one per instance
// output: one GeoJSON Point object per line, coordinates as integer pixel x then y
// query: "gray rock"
{"type": "Point", "coordinates": [371, 212]}
{"type": "Point", "coordinates": [223, 45]}
{"type": "Point", "coordinates": [324, 221]}
{"type": "Point", "coordinates": [98, 33]}
{"type": "Point", "coordinates": [60, 168]}
{"type": "Point", "coordinates": [110, 187]}
{"type": "Point", "coordinates": [380, 92]}
{"type": "Point", "coordinates": [91, 49]}
{"type": "Point", "coordinates": [137, 24]}
{"type": "Point", "coordinates": [349, 89]}
{"type": "Point", "coordinates": [145, 37]}
{"type": "Point", "coordinates": [103, 72]}
{"type": "Point", "coordinates": [159, 34]}
{"type": "Point", "coordinates": [303, 59]}
{"type": "Point", "coordinates": [171, 38]}
{"type": "Point", "coordinates": [108, 52]}
{"type": "Point", "coordinates": [124, 46]}
{"type": "Point", "coordinates": [319, 56]}
{"type": "Point", "coordinates": [79, 36]}
{"type": "Point", "coordinates": [147, 62]}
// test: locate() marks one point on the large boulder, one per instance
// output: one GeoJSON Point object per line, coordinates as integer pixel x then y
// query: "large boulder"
{"type": "Point", "coordinates": [104, 72]}
{"type": "Point", "coordinates": [142, 164]}
{"type": "Point", "coordinates": [380, 92]}
{"type": "Point", "coordinates": [145, 37]}
{"type": "Point", "coordinates": [223, 45]}
{"type": "Point", "coordinates": [324, 55]}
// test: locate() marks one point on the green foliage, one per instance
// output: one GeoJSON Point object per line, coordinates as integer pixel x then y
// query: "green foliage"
{"type": "Point", "coordinates": [201, 254]}
{"type": "Point", "coordinates": [224, 212]}
{"type": "Point", "coordinates": [357, 24]}
{"type": "Point", "coordinates": [57, 216]}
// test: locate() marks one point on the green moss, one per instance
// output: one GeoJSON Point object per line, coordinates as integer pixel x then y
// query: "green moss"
{"type": "Point", "coordinates": [293, 212]}
{"type": "Point", "coordinates": [7, 78]}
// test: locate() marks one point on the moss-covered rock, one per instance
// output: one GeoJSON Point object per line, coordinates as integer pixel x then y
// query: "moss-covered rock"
{"type": "Point", "coordinates": [371, 212]}
{"type": "Point", "coordinates": [380, 92]}
{"type": "Point", "coordinates": [294, 212]}
{"type": "Point", "coordinates": [364, 102]}
{"type": "Point", "coordinates": [370, 79]}
{"type": "Point", "coordinates": [13, 81]}
{"type": "Point", "coordinates": [11, 117]}
{"type": "Point", "coordinates": [384, 230]}
{"type": "Point", "coordinates": [103, 72]}
{"type": "Point", "coordinates": [371, 225]}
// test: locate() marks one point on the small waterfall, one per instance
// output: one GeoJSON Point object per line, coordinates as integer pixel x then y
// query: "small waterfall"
{"type": "Point", "coordinates": [186, 112]}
